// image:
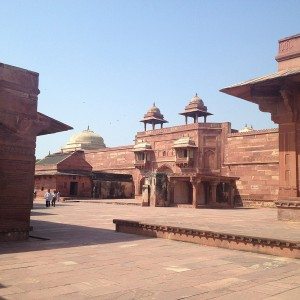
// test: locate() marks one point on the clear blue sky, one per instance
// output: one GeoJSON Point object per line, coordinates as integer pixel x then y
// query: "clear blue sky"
{"type": "Point", "coordinates": [103, 63]}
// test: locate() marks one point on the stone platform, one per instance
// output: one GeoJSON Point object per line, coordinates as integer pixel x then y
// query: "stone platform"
{"type": "Point", "coordinates": [254, 230]}
{"type": "Point", "coordinates": [241, 242]}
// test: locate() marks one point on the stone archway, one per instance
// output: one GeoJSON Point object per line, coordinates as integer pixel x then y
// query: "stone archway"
{"type": "Point", "coordinates": [165, 169]}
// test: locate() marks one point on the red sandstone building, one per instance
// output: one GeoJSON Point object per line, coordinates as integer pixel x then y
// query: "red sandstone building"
{"type": "Point", "coordinates": [20, 124]}
{"type": "Point", "coordinates": [279, 94]}
{"type": "Point", "coordinates": [204, 164]}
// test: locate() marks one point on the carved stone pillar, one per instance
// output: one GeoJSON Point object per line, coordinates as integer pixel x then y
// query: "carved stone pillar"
{"type": "Point", "coordinates": [214, 192]}
{"type": "Point", "coordinates": [287, 161]}
{"type": "Point", "coordinates": [195, 184]}
{"type": "Point", "coordinates": [231, 194]}
{"type": "Point", "coordinates": [137, 188]}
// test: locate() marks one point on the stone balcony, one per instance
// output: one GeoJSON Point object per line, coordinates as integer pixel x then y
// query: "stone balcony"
{"type": "Point", "coordinates": [141, 164]}
{"type": "Point", "coordinates": [183, 161]}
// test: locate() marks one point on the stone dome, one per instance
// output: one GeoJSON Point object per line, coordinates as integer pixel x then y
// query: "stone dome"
{"type": "Point", "coordinates": [154, 111]}
{"type": "Point", "coordinates": [85, 140]}
{"type": "Point", "coordinates": [246, 128]}
{"type": "Point", "coordinates": [197, 100]}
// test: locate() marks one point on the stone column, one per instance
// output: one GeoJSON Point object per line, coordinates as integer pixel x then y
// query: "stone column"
{"type": "Point", "coordinates": [171, 188]}
{"type": "Point", "coordinates": [284, 111]}
{"type": "Point", "coordinates": [287, 161]}
{"type": "Point", "coordinates": [231, 194]}
{"type": "Point", "coordinates": [214, 192]}
{"type": "Point", "coordinates": [195, 184]}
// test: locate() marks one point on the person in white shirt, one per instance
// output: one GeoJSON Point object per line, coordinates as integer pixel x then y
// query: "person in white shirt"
{"type": "Point", "coordinates": [48, 197]}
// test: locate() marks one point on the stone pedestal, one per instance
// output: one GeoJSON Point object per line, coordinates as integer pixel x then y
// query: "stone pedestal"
{"type": "Point", "coordinates": [158, 183]}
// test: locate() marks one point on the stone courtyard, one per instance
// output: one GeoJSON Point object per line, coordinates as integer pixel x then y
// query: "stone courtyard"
{"type": "Point", "coordinates": [75, 253]}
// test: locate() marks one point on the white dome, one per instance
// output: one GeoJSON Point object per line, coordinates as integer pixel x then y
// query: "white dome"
{"type": "Point", "coordinates": [85, 140]}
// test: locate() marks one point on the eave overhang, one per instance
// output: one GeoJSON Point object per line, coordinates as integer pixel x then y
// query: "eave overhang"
{"type": "Point", "coordinates": [48, 125]}
{"type": "Point", "coordinates": [269, 85]}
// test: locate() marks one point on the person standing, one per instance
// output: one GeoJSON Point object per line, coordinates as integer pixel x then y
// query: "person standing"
{"type": "Point", "coordinates": [48, 197]}
{"type": "Point", "coordinates": [53, 198]}
{"type": "Point", "coordinates": [57, 196]}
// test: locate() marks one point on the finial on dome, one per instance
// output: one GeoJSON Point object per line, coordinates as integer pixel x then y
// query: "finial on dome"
{"type": "Point", "coordinates": [196, 95]}
{"type": "Point", "coordinates": [154, 103]}
{"type": "Point", "coordinates": [88, 128]}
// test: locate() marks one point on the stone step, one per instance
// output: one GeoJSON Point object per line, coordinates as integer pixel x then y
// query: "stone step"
{"type": "Point", "coordinates": [214, 239]}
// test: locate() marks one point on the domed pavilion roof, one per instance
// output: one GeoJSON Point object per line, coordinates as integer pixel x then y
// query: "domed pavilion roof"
{"type": "Point", "coordinates": [196, 108]}
{"type": "Point", "coordinates": [153, 116]}
{"type": "Point", "coordinates": [196, 100]}
{"type": "Point", "coordinates": [85, 140]}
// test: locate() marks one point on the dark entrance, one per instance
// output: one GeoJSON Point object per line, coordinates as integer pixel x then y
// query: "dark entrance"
{"type": "Point", "coordinates": [73, 188]}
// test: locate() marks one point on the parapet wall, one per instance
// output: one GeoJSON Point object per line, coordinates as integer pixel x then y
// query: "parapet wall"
{"type": "Point", "coordinates": [254, 158]}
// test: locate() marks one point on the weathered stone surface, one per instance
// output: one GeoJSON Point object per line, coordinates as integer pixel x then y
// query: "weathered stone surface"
{"type": "Point", "coordinates": [20, 124]}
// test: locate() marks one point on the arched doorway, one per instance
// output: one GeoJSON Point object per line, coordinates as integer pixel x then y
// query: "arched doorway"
{"type": "Point", "coordinates": [165, 169]}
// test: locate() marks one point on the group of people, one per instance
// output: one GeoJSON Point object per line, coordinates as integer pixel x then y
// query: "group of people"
{"type": "Point", "coordinates": [51, 198]}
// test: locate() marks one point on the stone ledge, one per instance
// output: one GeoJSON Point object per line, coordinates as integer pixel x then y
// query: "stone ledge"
{"type": "Point", "coordinates": [209, 238]}
{"type": "Point", "coordinates": [288, 204]}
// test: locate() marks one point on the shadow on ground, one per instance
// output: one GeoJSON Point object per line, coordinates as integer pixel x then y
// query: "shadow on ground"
{"type": "Point", "coordinates": [50, 235]}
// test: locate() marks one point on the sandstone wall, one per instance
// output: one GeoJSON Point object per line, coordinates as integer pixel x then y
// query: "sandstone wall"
{"type": "Point", "coordinates": [43, 183]}
{"type": "Point", "coordinates": [84, 185]}
{"type": "Point", "coordinates": [18, 111]}
{"type": "Point", "coordinates": [75, 163]}
{"type": "Point", "coordinates": [114, 160]}
{"type": "Point", "coordinates": [254, 158]}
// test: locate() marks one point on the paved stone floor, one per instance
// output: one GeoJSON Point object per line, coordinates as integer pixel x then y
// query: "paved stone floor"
{"type": "Point", "coordinates": [83, 257]}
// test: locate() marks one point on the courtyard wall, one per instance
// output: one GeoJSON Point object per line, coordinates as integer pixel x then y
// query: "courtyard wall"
{"type": "Point", "coordinates": [254, 158]}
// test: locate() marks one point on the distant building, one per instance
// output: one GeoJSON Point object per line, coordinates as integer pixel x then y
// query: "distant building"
{"type": "Point", "coordinates": [205, 164]}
